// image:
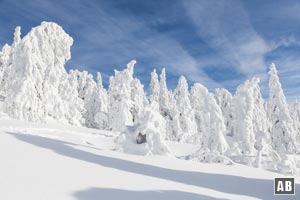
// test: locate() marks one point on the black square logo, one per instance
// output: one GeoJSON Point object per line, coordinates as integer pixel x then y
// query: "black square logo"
{"type": "Point", "coordinates": [284, 186]}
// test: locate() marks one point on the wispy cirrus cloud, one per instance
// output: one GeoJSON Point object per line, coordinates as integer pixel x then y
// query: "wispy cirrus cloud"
{"type": "Point", "coordinates": [217, 43]}
{"type": "Point", "coordinates": [225, 26]}
{"type": "Point", "coordinates": [105, 39]}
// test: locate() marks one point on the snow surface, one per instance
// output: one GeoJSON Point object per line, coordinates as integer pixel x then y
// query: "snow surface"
{"type": "Point", "coordinates": [54, 161]}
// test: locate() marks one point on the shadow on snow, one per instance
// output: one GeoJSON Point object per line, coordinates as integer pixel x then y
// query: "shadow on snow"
{"type": "Point", "coordinates": [258, 188]}
{"type": "Point", "coordinates": [116, 194]}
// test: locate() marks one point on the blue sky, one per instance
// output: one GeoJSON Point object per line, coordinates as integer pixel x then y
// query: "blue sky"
{"type": "Point", "coordinates": [217, 43]}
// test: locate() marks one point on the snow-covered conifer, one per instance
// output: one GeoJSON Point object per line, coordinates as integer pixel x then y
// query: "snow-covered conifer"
{"type": "Point", "coordinates": [243, 108]}
{"type": "Point", "coordinates": [184, 108]}
{"type": "Point", "coordinates": [127, 98]}
{"type": "Point", "coordinates": [72, 106]}
{"type": "Point", "coordinates": [101, 105]}
{"type": "Point", "coordinates": [164, 98]}
{"type": "Point", "coordinates": [37, 68]}
{"type": "Point", "coordinates": [283, 134]}
{"type": "Point", "coordinates": [224, 100]}
{"type": "Point", "coordinates": [295, 115]}
{"type": "Point", "coordinates": [88, 92]}
{"type": "Point", "coordinates": [154, 87]}
{"type": "Point", "coordinates": [5, 64]}
{"type": "Point", "coordinates": [211, 127]}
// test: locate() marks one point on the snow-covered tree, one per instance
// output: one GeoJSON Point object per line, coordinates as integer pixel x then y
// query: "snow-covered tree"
{"type": "Point", "coordinates": [37, 67]}
{"type": "Point", "coordinates": [5, 64]}
{"type": "Point", "coordinates": [139, 99]}
{"type": "Point", "coordinates": [295, 115]}
{"type": "Point", "coordinates": [88, 92]}
{"type": "Point", "coordinates": [127, 98]}
{"type": "Point", "coordinates": [101, 105]}
{"type": "Point", "coordinates": [154, 87]}
{"type": "Point", "coordinates": [6, 61]}
{"type": "Point", "coordinates": [261, 121]}
{"type": "Point", "coordinates": [184, 108]}
{"type": "Point", "coordinates": [211, 127]}
{"type": "Point", "coordinates": [243, 108]}
{"type": "Point", "coordinates": [283, 134]}
{"type": "Point", "coordinates": [164, 96]}
{"type": "Point", "coordinates": [224, 100]}
{"type": "Point", "coordinates": [72, 106]}
{"type": "Point", "coordinates": [174, 131]}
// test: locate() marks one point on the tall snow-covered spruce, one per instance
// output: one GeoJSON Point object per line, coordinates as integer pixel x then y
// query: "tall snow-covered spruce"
{"type": "Point", "coordinates": [283, 133]}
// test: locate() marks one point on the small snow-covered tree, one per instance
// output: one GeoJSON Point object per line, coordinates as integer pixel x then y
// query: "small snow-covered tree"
{"type": "Point", "coordinates": [283, 134]}
{"type": "Point", "coordinates": [6, 61]}
{"type": "Point", "coordinates": [139, 99]}
{"type": "Point", "coordinates": [186, 113]}
{"type": "Point", "coordinates": [295, 115]}
{"type": "Point", "coordinates": [72, 106]}
{"type": "Point", "coordinates": [5, 64]}
{"type": "Point", "coordinates": [261, 121]}
{"type": "Point", "coordinates": [88, 92]}
{"type": "Point", "coordinates": [211, 127]}
{"type": "Point", "coordinates": [164, 96]}
{"type": "Point", "coordinates": [243, 108]}
{"type": "Point", "coordinates": [174, 131]}
{"type": "Point", "coordinates": [224, 100]}
{"type": "Point", "coordinates": [154, 87]}
{"type": "Point", "coordinates": [101, 105]}
{"type": "Point", "coordinates": [127, 98]}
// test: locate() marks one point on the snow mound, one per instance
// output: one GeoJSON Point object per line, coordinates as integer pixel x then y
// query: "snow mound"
{"type": "Point", "coordinates": [146, 137]}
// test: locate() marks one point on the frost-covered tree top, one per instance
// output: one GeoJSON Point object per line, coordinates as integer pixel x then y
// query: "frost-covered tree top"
{"type": "Point", "coordinates": [99, 80]}
{"type": "Point", "coordinates": [164, 98]}
{"type": "Point", "coordinates": [182, 94]}
{"type": "Point", "coordinates": [154, 87]}
{"type": "Point", "coordinates": [277, 99]}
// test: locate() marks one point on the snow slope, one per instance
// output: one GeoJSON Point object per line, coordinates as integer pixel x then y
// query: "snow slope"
{"type": "Point", "coordinates": [54, 161]}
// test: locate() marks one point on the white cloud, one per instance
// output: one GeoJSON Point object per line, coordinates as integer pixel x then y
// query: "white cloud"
{"type": "Point", "coordinates": [225, 26]}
